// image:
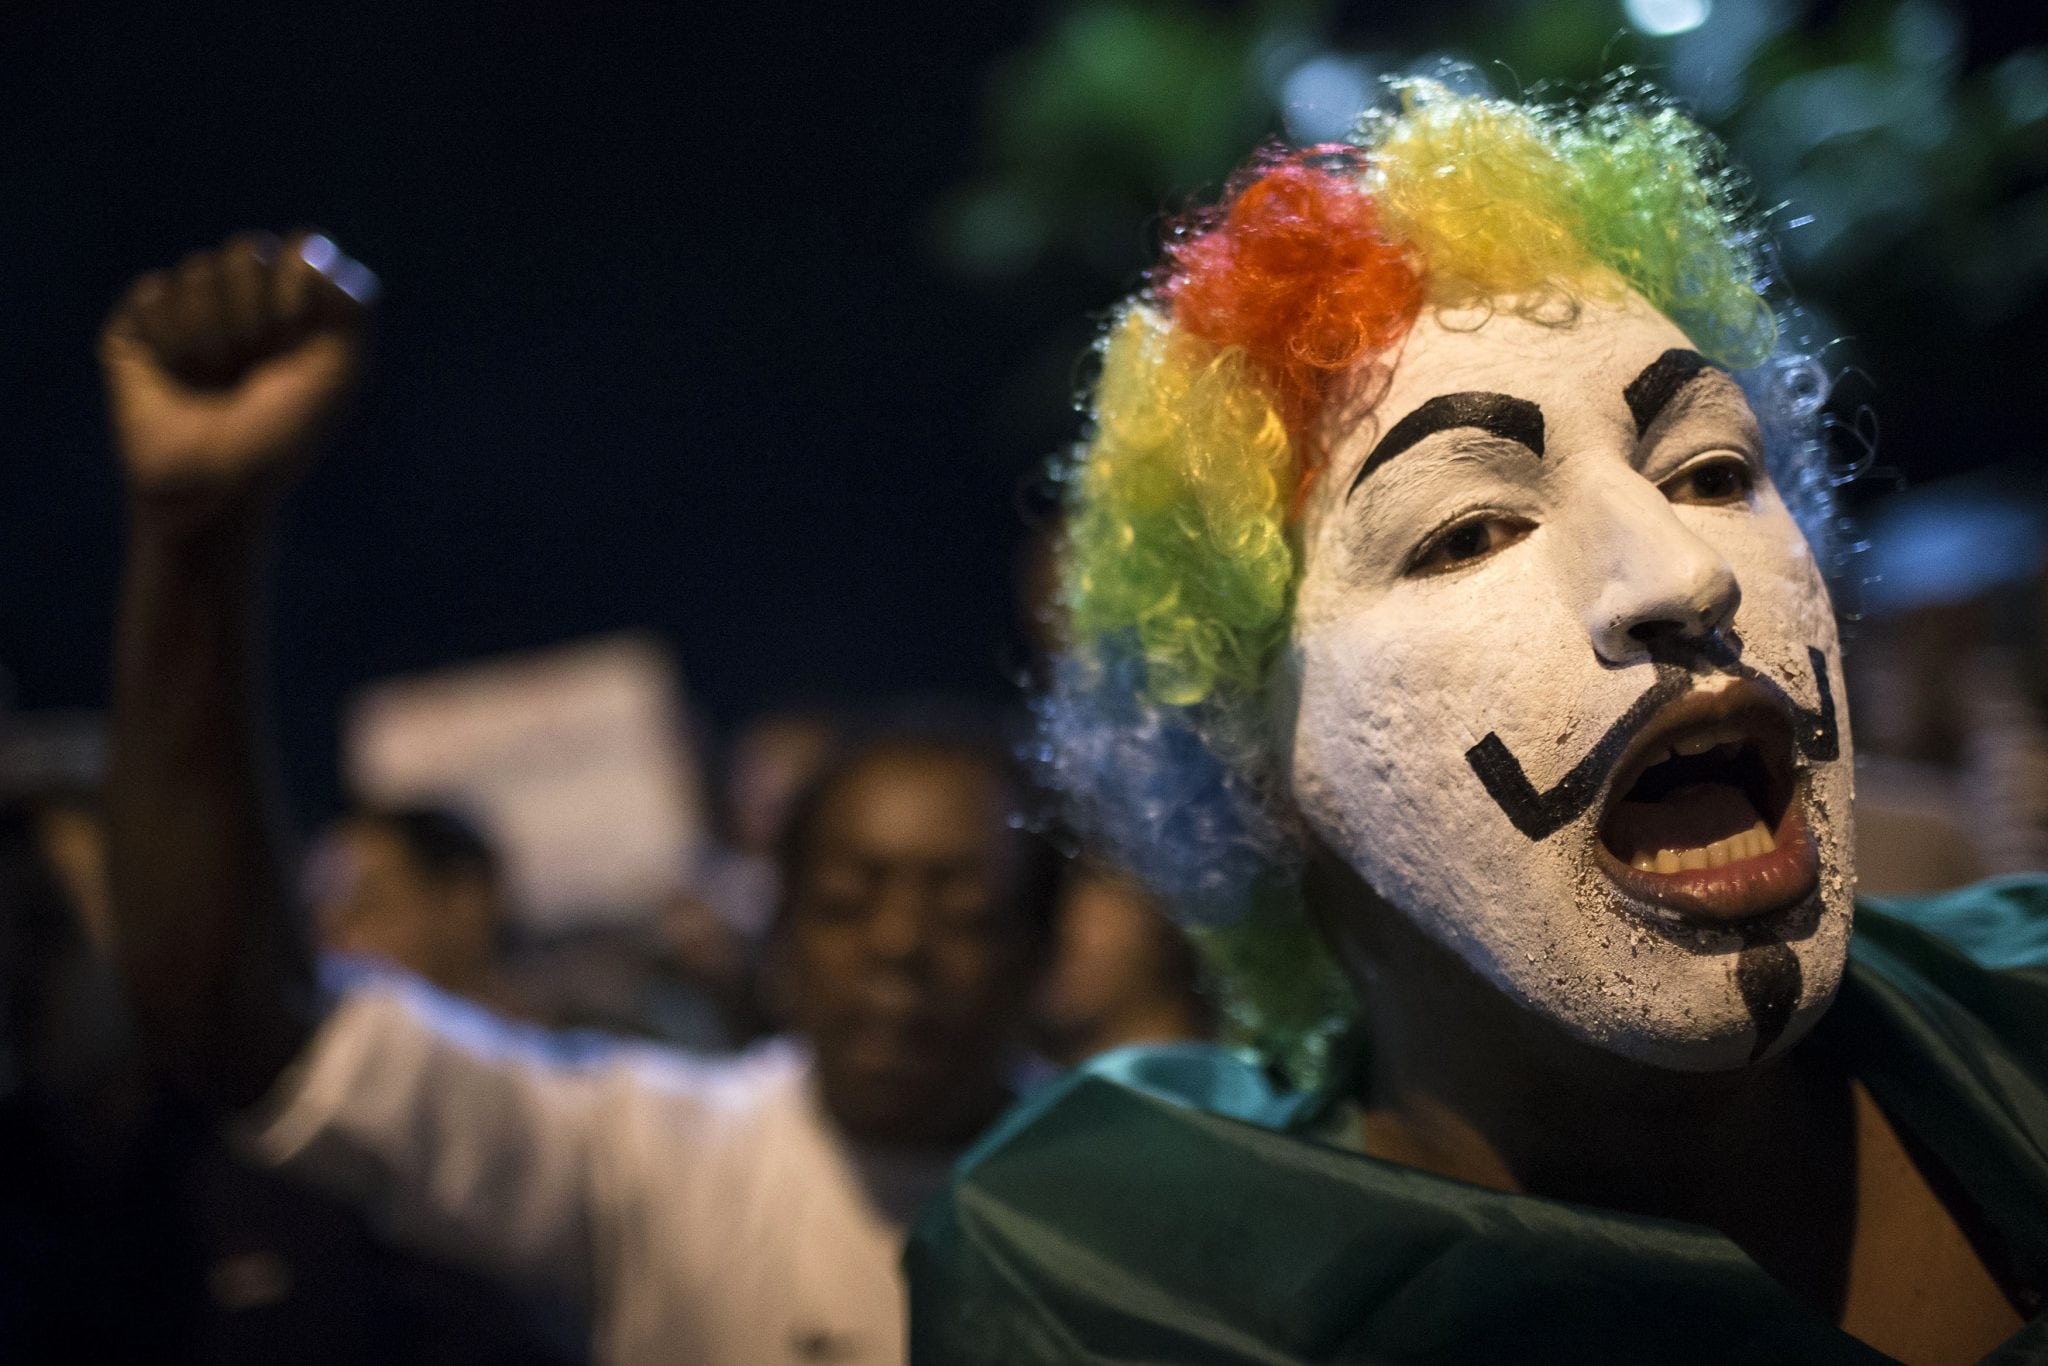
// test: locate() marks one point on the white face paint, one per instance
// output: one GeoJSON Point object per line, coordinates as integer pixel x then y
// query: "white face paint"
{"type": "Point", "coordinates": [1474, 618]}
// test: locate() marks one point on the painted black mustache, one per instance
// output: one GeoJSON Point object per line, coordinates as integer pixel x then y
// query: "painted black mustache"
{"type": "Point", "coordinates": [1542, 814]}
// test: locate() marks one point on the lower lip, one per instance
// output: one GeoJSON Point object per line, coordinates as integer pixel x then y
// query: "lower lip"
{"type": "Point", "coordinates": [1735, 891]}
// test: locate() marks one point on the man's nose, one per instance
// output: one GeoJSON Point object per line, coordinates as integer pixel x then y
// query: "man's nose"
{"type": "Point", "coordinates": [1657, 583]}
{"type": "Point", "coordinates": [895, 929]}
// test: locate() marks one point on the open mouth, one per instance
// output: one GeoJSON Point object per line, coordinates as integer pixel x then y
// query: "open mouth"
{"type": "Point", "coordinates": [1704, 815]}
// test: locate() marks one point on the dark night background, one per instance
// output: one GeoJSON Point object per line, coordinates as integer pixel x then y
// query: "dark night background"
{"type": "Point", "coordinates": [666, 337]}
{"type": "Point", "coordinates": [661, 342]}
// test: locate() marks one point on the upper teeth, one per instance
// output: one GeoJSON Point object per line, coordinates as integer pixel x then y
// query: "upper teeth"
{"type": "Point", "coordinates": [1700, 741]}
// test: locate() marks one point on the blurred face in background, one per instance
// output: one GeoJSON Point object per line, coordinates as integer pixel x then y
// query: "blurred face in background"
{"type": "Point", "coordinates": [912, 949]}
{"type": "Point", "coordinates": [372, 897]}
{"type": "Point", "coordinates": [1121, 972]}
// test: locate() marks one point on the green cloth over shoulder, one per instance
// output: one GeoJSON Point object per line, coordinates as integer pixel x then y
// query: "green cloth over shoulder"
{"type": "Point", "coordinates": [1168, 1205]}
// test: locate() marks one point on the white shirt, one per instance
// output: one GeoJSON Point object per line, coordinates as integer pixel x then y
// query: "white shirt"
{"type": "Point", "coordinates": [704, 1208]}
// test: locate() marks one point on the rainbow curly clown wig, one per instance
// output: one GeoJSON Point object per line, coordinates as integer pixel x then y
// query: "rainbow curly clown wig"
{"type": "Point", "coordinates": [1219, 385]}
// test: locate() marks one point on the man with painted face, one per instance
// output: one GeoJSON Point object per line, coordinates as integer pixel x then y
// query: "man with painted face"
{"type": "Point", "coordinates": [747, 1209]}
{"type": "Point", "coordinates": [1447, 634]}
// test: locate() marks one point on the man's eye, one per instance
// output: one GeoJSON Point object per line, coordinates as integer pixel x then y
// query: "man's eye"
{"type": "Point", "coordinates": [1721, 482]}
{"type": "Point", "coordinates": [1467, 541]}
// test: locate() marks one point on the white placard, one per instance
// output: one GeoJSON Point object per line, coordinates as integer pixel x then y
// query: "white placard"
{"type": "Point", "coordinates": [576, 759]}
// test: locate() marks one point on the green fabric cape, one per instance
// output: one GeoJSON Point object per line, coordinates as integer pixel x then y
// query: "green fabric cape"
{"type": "Point", "coordinates": [1163, 1205]}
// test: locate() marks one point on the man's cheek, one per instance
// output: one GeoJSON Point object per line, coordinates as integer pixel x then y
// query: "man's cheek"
{"type": "Point", "coordinates": [1783, 588]}
{"type": "Point", "coordinates": [827, 960]}
{"type": "Point", "coordinates": [1390, 713]}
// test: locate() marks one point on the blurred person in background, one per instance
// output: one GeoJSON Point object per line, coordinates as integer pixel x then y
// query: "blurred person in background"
{"type": "Point", "coordinates": [915, 926]}
{"type": "Point", "coordinates": [1123, 972]}
{"type": "Point", "coordinates": [89, 1254]}
{"type": "Point", "coordinates": [415, 886]}
{"type": "Point", "coordinates": [683, 978]}
{"type": "Point", "coordinates": [135, 1233]}
{"type": "Point", "coordinates": [690, 976]}
{"type": "Point", "coordinates": [707, 942]}
{"type": "Point", "coordinates": [51, 766]}
{"type": "Point", "coordinates": [743, 1210]}
{"type": "Point", "coordinates": [1948, 685]}
{"type": "Point", "coordinates": [422, 888]}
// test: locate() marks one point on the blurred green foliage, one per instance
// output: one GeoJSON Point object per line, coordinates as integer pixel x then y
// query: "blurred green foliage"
{"type": "Point", "coordinates": [1120, 109]}
{"type": "Point", "coordinates": [1905, 166]}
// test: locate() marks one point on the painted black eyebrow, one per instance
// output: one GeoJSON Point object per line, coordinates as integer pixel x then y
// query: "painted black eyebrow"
{"type": "Point", "coordinates": [1648, 393]}
{"type": "Point", "coordinates": [1502, 415]}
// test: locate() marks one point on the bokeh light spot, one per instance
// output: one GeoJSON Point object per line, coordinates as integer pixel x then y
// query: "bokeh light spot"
{"type": "Point", "coordinates": [1662, 18]}
{"type": "Point", "coordinates": [1323, 98]}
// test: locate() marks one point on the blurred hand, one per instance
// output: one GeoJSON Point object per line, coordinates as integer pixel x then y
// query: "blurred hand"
{"type": "Point", "coordinates": [225, 373]}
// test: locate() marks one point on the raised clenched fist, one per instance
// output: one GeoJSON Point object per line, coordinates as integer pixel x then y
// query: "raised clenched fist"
{"type": "Point", "coordinates": [225, 372]}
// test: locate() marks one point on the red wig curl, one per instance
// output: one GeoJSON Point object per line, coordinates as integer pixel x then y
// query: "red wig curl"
{"type": "Point", "coordinates": [1292, 267]}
